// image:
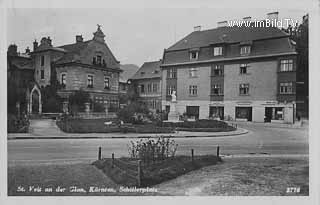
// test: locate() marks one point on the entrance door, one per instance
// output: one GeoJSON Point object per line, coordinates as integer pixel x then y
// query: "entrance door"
{"type": "Point", "coordinates": [193, 111]}
{"type": "Point", "coordinates": [268, 114]}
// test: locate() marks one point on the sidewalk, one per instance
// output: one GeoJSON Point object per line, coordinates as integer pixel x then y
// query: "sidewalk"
{"type": "Point", "coordinates": [303, 124]}
{"type": "Point", "coordinates": [179, 134]}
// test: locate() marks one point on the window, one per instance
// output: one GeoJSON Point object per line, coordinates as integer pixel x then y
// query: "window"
{"type": "Point", "coordinates": [172, 73]}
{"type": "Point", "coordinates": [170, 89]}
{"type": "Point", "coordinates": [42, 73]}
{"type": "Point", "coordinates": [94, 60]}
{"type": "Point", "coordinates": [245, 50]}
{"type": "Point", "coordinates": [155, 87]}
{"type": "Point", "coordinates": [286, 65]}
{"type": "Point", "coordinates": [149, 88]}
{"type": "Point", "coordinates": [64, 79]}
{"type": "Point", "coordinates": [218, 70]}
{"type": "Point", "coordinates": [103, 62]}
{"type": "Point", "coordinates": [217, 89]}
{"type": "Point", "coordinates": [193, 72]}
{"type": "Point", "coordinates": [217, 51]}
{"type": "Point", "coordinates": [193, 90]}
{"type": "Point", "coordinates": [286, 88]}
{"type": "Point", "coordinates": [141, 88]}
{"type": "Point", "coordinates": [243, 68]}
{"type": "Point", "coordinates": [99, 60]}
{"type": "Point", "coordinates": [90, 81]}
{"type": "Point", "coordinates": [244, 89]}
{"type": "Point", "coordinates": [42, 61]}
{"type": "Point", "coordinates": [194, 55]}
{"type": "Point", "coordinates": [106, 82]}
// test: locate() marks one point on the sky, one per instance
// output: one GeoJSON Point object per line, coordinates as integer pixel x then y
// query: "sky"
{"type": "Point", "coordinates": [134, 35]}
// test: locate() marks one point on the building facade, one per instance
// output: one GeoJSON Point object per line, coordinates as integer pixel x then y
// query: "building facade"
{"type": "Point", "coordinates": [84, 65]}
{"type": "Point", "coordinates": [232, 73]}
{"type": "Point", "coordinates": [147, 84]}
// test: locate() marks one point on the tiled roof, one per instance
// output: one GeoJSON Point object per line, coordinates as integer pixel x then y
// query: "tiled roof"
{"type": "Point", "coordinates": [226, 35]}
{"type": "Point", "coordinates": [128, 71]}
{"type": "Point", "coordinates": [148, 70]}
{"type": "Point", "coordinates": [75, 47]}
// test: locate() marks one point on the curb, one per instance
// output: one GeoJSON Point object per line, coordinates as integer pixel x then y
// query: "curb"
{"type": "Point", "coordinates": [243, 131]}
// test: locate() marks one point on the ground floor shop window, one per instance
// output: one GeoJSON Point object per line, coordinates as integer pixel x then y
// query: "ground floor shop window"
{"type": "Point", "coordinates": [193, 112]}
{"type": "Point", "coordinates": [244, 113]}
{"type": "Point", "coordinates": [274, 113]}
{"type": "Point", "coordinates": [216, 112]}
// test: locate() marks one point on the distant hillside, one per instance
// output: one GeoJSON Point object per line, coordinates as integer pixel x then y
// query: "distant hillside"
{"type": "Point", "coordinates": [128, 71]}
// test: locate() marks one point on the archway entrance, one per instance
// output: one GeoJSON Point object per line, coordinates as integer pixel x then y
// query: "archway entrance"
{"type": "Point", "coordinates": [35, 106]}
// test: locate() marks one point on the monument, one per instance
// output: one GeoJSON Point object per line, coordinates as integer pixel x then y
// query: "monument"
{"type": "Point", "coordinates": [173, 115]}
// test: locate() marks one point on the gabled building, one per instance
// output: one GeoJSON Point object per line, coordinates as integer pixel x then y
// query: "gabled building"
{"type": "Point", "coordinates": [147, 84]}
{"type": "Point", "coordinates": [87, 65]}
{"type": "Point", "coordinates": [232, 73]}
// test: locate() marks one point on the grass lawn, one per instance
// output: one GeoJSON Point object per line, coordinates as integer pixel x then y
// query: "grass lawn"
{"type": "Point", "coordinates": [125, 170]}
{"type": "Point", "coordinates": [82, 176]}
{"type": "Point", "coordinates": [243, 177]}
{"type": "Point", "coordinates": [98, 126]}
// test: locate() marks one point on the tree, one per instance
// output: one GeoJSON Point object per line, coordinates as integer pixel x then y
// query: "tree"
{"type": "Point", "coordinates": [300, 34]}
{"type": "Point", "coordinates": [78, 99]}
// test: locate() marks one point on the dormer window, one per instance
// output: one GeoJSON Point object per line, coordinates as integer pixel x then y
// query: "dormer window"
{"type": "Point", "coordinates": [99, 60]}
{"type": "Point", "coordinates": [142, 73]}
{"type": "Point", "coordinates": [94, 60]}
{"type": "Point", "coordinates": [194, 55]}
{"type": "Point", "coordinates": [245, 50]}
{"type": "Point", "coordinates": [217, 51]}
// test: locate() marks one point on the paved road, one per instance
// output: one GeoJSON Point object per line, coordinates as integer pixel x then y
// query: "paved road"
{"type": "Point", "coordinates": [260, 139]}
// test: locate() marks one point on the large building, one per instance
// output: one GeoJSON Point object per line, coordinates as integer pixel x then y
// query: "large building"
{"type": "Point", "coordinates": [232, 73]}
{"type": "Point", "coordinates": [86, 65]}
{"type": "Point", "coordinates": [147, 84]}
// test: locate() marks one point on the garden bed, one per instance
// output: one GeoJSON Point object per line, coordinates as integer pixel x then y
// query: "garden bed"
{"type": "Point", "coordinates": [125, 170]}
{"type": "Point", "coordinates": [98, 126]}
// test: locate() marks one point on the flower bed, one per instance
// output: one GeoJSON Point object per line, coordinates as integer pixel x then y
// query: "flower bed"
{"type": "Point", "coordinates": [98, 126]}
{"type": "Point", "coordinates": [124, 171]}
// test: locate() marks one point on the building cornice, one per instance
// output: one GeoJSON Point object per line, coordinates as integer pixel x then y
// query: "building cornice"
{"type": "Point", "coordinates": [229, 59]}
{"type": "Point", "coordinates": [88, 66]}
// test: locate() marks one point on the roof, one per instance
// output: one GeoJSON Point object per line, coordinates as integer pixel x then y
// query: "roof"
{"type": "Point", "coordinates": [226, 34]}
{"type": "Point", "coordinates": [128, 71]}
{"type": "Point", "coordinates": [148, 70]}
{"type": "Point", "coordinates": [21, 62]}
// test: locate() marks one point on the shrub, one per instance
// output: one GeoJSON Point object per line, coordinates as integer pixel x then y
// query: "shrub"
{"type": "Point", "coordinates": [150, 149]}
{"type": "Point", "coordinates": [17, 125]}
{"type": "Point", "coordinates": [134, 113]}
{"type": "Point", "coordinates": [77, 100]}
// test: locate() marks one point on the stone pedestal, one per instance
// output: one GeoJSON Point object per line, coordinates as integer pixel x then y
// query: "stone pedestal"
{"type": "Point", "coordinates": [65, 107]}
{"type": "Point", "coordinates": [87, 107]}
{"type": "Point", "coordinates": [173, 115]}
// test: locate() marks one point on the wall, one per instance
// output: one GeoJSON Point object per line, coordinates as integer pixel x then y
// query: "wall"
{"type": "Point", "coordinates": [262, 79]}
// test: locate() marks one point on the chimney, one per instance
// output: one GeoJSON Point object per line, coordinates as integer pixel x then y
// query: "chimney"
{"type": "Point", "coordinates": [197, 28]}
{"type": "Point", "coordinates": [273, 16]}
{"type": "Point", "coordinates": [248, 18]}
{"type": "Point", "coordinates": [222, 24]}
{"type": "Point", "coordinates": [79, 38]}
{"type": "Point", "coordinates": [49, 41]}
{"type": "Point", "coordinates": [12, 50]}
{"type": "Point", "coordinates": [28, 50]}
{"type": "Point", "coordinates": [35, 45]}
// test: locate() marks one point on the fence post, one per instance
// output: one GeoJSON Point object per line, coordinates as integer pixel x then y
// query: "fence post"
{"type": "Point", "coordinates": [99, 154]}
{"type": "Point", "coordinates": [139, 173]}
{"type": "Point", "coordinates": [192, 152]}
{"type": "Point", "coordinates": [112, 164]}
{"type": "Point", "coordinates": [218, 151]}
